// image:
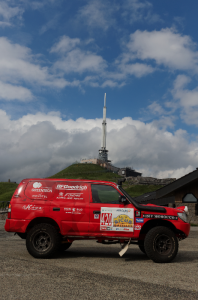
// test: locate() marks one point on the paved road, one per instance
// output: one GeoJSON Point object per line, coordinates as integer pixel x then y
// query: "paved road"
{"type": "Point", "coordinates": [92, 271]}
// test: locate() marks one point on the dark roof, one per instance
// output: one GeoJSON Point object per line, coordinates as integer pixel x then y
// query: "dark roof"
{"type": "Point", "coordinates": [177, 184]}
{"type": "Point", "coordinates": [152, 199]}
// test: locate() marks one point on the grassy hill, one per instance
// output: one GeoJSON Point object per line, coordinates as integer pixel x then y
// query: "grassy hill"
{"type": "Point", "coordinates": [83, 171]}
{"type": "Point", "coordinates": [6, 190]}
{"type": "Point", "coordinates": [90, 171]}
{"type": "Point", "coordinates": [86, 171]}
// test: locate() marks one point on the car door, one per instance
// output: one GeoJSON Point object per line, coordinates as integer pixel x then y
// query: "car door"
{"type": "Point", "coordinates": [109, 217]}
{"type": "Point", "coordinates": [71, 207]}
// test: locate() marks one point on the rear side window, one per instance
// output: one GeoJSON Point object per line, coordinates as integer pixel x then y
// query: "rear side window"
{"type": "Point", "coordinates": [71, 191]}
{"type": "Point", "coordinates": [40, 190]}
{"type": "Point", "coordinates": [104, 194]}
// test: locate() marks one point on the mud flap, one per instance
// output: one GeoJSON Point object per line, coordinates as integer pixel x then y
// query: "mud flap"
{"type": "Point", "coordinates": [124, 249]}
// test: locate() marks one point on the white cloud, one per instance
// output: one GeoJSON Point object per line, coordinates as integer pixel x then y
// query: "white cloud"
{"type": "Point", "coordinates": [11, 92]}
{"type": "Point", "coordinates": [97, 14]}
{"type": "Point", "coordinates": [135, 10]}
{"type": "Point", "coordinates": [8, 12]}
{"type": "Point", "coordinates": [65, 44]}
{"type": "Point", "coordinates": [42, 144]}
{"type": "Point", "coordinates": [74, 59]}
{"type": "Point", "coordinates": [165, 47]}
{"type": "Point", "coordinates": [135, 69]}
{"type": "Point", "coordinates": [188, 98]}
{"type": "Point", "coordinates": [18, 65]}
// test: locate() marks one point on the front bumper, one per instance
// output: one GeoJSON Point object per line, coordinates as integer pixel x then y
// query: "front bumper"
{"type": "Point", "coordinates": [184, 228]}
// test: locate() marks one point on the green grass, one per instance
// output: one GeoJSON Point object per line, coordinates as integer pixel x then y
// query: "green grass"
{"type": "Point", "coordinates": [6, 190]}
{"type": "Point", "coordinates": [138, 190]}
{"type": "Point", "coordinates": [86, 171]}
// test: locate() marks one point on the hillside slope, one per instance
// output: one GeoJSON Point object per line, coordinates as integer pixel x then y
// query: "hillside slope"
{"type": "Point", "coordinates": [6, 190]}
{"type": "Point", "coordinates": [83, 171]}
{"type": "Point", "coordinates": [86, 171]}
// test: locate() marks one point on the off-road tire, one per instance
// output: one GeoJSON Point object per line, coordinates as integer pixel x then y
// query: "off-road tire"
{"type": "Point", "coordinates": [141, 246]}
{"type": "Point", "coordinates": [161, 244]}
{"type": "Point", "coordinates": [43, 241]}
{"type": "Point", "coordinates": [64, 246]}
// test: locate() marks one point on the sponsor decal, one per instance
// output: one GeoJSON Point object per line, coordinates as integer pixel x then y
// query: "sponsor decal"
{"type": "Point", "coordinates": [139, 220]}
{"type": "Point", "coordinates": [31, 207]}
{"type": "Point", "coordinates": [75, 196]}
{"type": "Point", "coordinates": [138, 227]}
{"type": "Point", "coordinates": [37, 188]}
{"type": "Point", "coordinates": [123, 210]}
{"type": "Point", "coordinates": [160, 217]}
{"type": "Point", "coordinates": [116, 219]}
{"type": "Point", "coordinates": [37, 185]}
{"type": "Point", "coordinates": [106, 219]}
{"type": "Point", "coordinates": [138, 213]}
{"type": "Point", "coordinates": [77, 211]}
{"type": "Point", "coordinates": [108, 228]}
{"type": "Point", "coordinates": [43, 190]}
{"type": "Point", "coordinates": [72, 188]}
{"type": "Point", "coordinates": [96, 216]}
{"type": "Point", "coordinates": [123, 221]}
{"type": "Point", "coordinates": [39, 196]}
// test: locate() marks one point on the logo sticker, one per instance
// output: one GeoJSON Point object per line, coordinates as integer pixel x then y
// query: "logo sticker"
{"type": "Point", "coordinates": [139, 220]}
{"type": "Point", "coordinates": [123, 221]}
{"type": "Point", "coordinates": [138, 227]}
{"type": "Point", "coordinates": [160, 217]}
{"type": "Point", "coordinates": [31, 207]}
{"type": "Point", "coordinates": [37, 185]}
{"type": "Point", "coordinates": [71, 188]}
{"type": "Point", "coordinates": [96, 216]}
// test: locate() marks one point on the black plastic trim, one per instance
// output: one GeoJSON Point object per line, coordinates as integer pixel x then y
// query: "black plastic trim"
{"type": "Point", "coordinates": [142, 207]}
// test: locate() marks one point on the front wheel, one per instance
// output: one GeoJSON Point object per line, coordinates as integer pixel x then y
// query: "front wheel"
{"type": "Point", "coordinates": [43, 241]}
{"type": "Point", "coordinates": [161, 244]}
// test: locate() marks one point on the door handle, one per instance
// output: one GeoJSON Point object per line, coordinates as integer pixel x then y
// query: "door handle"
{"type": "Point", "coordinates": [96, 212]}
{"type": "Point", "coordinates": [56, 208]}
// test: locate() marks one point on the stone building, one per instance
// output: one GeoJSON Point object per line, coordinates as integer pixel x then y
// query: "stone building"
{"type": "Point", "coordinates": [183, 191]}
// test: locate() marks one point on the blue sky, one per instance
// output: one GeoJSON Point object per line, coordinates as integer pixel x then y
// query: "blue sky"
{"type": "Point", "coordinates": [58, 58]}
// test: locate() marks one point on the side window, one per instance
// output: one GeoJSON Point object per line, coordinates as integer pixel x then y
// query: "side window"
{"type": "Point", "coordinates": [189, 198]}
{"type": "Point", "coordinates": [104, 194]}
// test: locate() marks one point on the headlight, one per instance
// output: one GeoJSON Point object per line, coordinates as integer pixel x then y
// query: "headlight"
{"type": "Point", "coordinates": [183, 217]}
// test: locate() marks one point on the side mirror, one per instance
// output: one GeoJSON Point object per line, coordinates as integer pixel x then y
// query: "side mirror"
{"type": "Point", "coordinates": [123, 200]}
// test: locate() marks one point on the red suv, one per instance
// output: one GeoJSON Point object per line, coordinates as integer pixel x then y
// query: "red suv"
{"type": "Point", "coordinates": [52, 213]}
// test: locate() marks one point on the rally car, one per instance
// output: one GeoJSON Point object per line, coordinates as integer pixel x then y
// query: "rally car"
{"type": "Point", "coordinates": [52, 213]}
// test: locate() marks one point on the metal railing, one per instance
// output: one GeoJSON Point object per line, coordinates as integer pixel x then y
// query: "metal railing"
{"type": "Point", "coordinates": [4, 207]}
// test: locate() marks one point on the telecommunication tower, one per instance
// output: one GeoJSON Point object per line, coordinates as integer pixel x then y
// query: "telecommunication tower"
{"type": "Point", "coordinates": [103, 152]}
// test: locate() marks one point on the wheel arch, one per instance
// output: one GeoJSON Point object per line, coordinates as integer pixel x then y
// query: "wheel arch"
{"type": "Point", "coordinates": [40, 220]}
{"type": "Point", "coordinates": [154, 223]}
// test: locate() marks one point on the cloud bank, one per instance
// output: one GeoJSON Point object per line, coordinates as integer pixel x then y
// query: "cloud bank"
{"type": "Point", "coordinates": [39, 145]}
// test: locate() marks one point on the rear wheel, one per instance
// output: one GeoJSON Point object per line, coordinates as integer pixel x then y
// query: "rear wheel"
{"type": "Point", "coordinates": [43, 241]}
{"type": "Point", "coordinates": [161, 244]}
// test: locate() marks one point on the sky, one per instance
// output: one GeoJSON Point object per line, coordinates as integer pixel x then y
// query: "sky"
{"type": "Point", "coordinates": [58, 58]}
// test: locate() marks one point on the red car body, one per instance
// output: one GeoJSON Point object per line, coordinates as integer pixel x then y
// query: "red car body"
{"type": "Point", "coordinates": [84, 209]}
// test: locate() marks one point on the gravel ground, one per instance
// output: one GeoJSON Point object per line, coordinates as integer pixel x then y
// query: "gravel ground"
{"type": "Point", "coordinates": [92, 271]}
